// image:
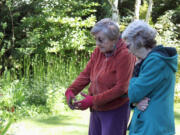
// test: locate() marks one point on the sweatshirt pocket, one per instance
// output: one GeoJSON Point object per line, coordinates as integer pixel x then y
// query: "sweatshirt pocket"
{"type": "Point", "coordinates": [139, 123]}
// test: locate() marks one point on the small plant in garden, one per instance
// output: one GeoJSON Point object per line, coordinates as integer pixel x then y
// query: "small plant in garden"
{"type": "Point", "coordinates": [4, 126]}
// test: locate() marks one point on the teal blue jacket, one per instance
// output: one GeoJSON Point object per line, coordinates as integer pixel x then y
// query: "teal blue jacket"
{"type": "Point", "coordinates": [156, 80]}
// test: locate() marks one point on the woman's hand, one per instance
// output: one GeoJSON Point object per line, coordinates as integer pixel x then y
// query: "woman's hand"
{"type": "Point", "coordinates": [70, 97]}
{"type": "Point", "coordinates": [143, 104]}
{"type": "Point", "coordinates": [85, 103]}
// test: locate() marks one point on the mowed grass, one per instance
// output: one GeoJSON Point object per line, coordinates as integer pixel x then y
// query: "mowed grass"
{"type": "Point", "coordinates": [177, 118]}
{"type": "Point", "coordinates": [71, 123]}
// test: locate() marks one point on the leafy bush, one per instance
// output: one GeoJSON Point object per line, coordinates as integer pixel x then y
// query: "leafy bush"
{"type": "Point", "coordinates": [168, 36]}
{"type": "Point", "coordinates": [167, 30]}
{"type": "Point", "coordinates": [44, 27]}
{"type": "Point", "coordinates": [56, 99]}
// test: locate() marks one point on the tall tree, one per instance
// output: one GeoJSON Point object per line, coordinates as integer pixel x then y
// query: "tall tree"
{"type": "Point", "coordinates": [115, 11]}
{"type": "Point", "coordinates": [137, 9]}
{"type": "Point", "coordinates": [148, 15]}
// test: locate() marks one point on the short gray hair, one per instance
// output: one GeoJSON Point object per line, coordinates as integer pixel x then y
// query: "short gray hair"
{"type": "Point", "coordinates": [140, 34]}
{"type": "Point", "coordinates": [108, 27]}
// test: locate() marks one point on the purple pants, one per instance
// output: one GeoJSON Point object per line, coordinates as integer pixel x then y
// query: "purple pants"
{"type": "Point", "coordinates": [113, 122]}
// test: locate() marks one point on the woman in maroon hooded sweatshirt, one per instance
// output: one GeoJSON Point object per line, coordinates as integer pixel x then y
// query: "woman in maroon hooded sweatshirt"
{"type": "Point", "coordinates": [108, 72]}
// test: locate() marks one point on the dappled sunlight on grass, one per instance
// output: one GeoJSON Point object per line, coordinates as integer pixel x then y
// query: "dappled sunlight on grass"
{"type": "Point", "coordinates": [54, 120]}
{"type": "Point", "coordinates": [69, 123]}
{"type": "Point", "coordinates": [177, 118]}
{"type": "Point", "coordinates": [73, 123]}
{"type": "Point", "coordinates": [60, 121]}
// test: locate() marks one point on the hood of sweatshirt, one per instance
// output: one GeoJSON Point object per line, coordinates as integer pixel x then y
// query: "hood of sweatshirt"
{"type": "Point", "coordinates": [168, 54]}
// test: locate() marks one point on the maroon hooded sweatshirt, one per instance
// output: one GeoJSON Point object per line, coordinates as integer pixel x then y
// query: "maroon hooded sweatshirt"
{"type": "Point", "coordinates": [108, 77]}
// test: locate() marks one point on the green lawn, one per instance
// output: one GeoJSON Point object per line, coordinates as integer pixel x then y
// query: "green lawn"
{"type": "Point", "coordinates": [177, 118]}
{"type": "Point", "coordinates": [72, 123]}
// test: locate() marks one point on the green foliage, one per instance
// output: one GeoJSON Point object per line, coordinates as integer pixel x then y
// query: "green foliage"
{"type": "Point", "coordinates": [176, 15]}
{"type": "Point", "coordinates": [103, 9]}
{"type": "Point", "coordinates": [143, 10]}
{"type": "Point", "coordinates": [5, 128]}
{"type": "Point", "coordinates": [56, 99]}
{"type": "Point", "coordinates": [167, 30]}
{"type": "Point", "coordinates": [52, 45]}
{"type": "Point", "coordinates": [63, 29]}
{"type": "Point", "coordinates": [177, 91]}
{"type": "Point", "coordinates": [44, 27]}
{"type": "Point", "coordinates": [168, 36]}
{"type": "Point", "coordinates": [126, 8]}
{"type": "Point", "coordinates": [124, 21]}
{"type": "Point", "coordinates": [41, 93]}
{"type": "Point", "coordinates": [161, 6]}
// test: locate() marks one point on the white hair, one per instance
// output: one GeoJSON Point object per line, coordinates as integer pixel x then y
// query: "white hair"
{"type": "Point", "coordinates": [108, 27]}
{"type": "Point", "coordinates": [140, 34]}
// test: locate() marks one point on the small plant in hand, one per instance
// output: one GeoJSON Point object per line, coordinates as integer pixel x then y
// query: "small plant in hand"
{"type": "Point", "coordinates": [81, 104]}
{"type": "Point", "coordinates": [84, 103]}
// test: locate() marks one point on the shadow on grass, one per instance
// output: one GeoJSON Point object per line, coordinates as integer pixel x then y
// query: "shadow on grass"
{"type": "Point", "coordinates": [177, 112]}
{"type": "Point", "coordinates": [60, 120]}
{"type": "Point", "coordinates": [177, 115]}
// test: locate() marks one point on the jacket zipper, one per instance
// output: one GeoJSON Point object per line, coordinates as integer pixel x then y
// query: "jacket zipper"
{"type": "Point", "coordinates": [96, 82]}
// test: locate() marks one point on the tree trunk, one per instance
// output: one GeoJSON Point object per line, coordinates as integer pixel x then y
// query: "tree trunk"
{"type": "Point", "coordinates": [115, 11]}
{"type": "Point", "coordinates": [148, 14]}
{"type": "Point", "coordinates": [137, 9]}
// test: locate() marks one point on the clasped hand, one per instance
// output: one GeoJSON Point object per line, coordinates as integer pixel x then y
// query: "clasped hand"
{"type": "Point", "coordinates": [79, 105]}
{"type": "Point", "coordinates": [143, 104]}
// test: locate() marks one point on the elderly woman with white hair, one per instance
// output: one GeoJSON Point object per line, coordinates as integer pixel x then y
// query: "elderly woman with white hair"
{"type": "Point", "coordinates": [154, 79]}
{"type": "Point", "coordinates": [108, 72]}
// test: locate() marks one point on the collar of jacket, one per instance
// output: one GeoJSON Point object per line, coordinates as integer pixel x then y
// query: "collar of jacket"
{"type": "Point", "coordinates": [116, 47]}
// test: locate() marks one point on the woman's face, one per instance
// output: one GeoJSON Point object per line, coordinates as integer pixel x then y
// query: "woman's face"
{"type": "Point", "coordinates": [131, 48]}
{"type": "Point", "coordinates": [103, 42]}
{"type": "Point", "coordinates": [140, 53]}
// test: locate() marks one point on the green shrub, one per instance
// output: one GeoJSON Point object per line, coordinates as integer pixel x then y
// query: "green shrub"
{"type": "Point", "coordinates": [168, 36]}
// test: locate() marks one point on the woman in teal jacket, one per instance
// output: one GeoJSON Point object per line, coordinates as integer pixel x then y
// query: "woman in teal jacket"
{"type": "Point", "coordinates": [154, 79]}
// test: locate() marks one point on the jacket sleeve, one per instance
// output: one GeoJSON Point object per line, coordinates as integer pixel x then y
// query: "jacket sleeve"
{"type": "Point", "coordinates": [124, 69]}
{"type": "Point", "coordinates": [150, 76]}
{"type": "Point", "coordinates": [84, 78]}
